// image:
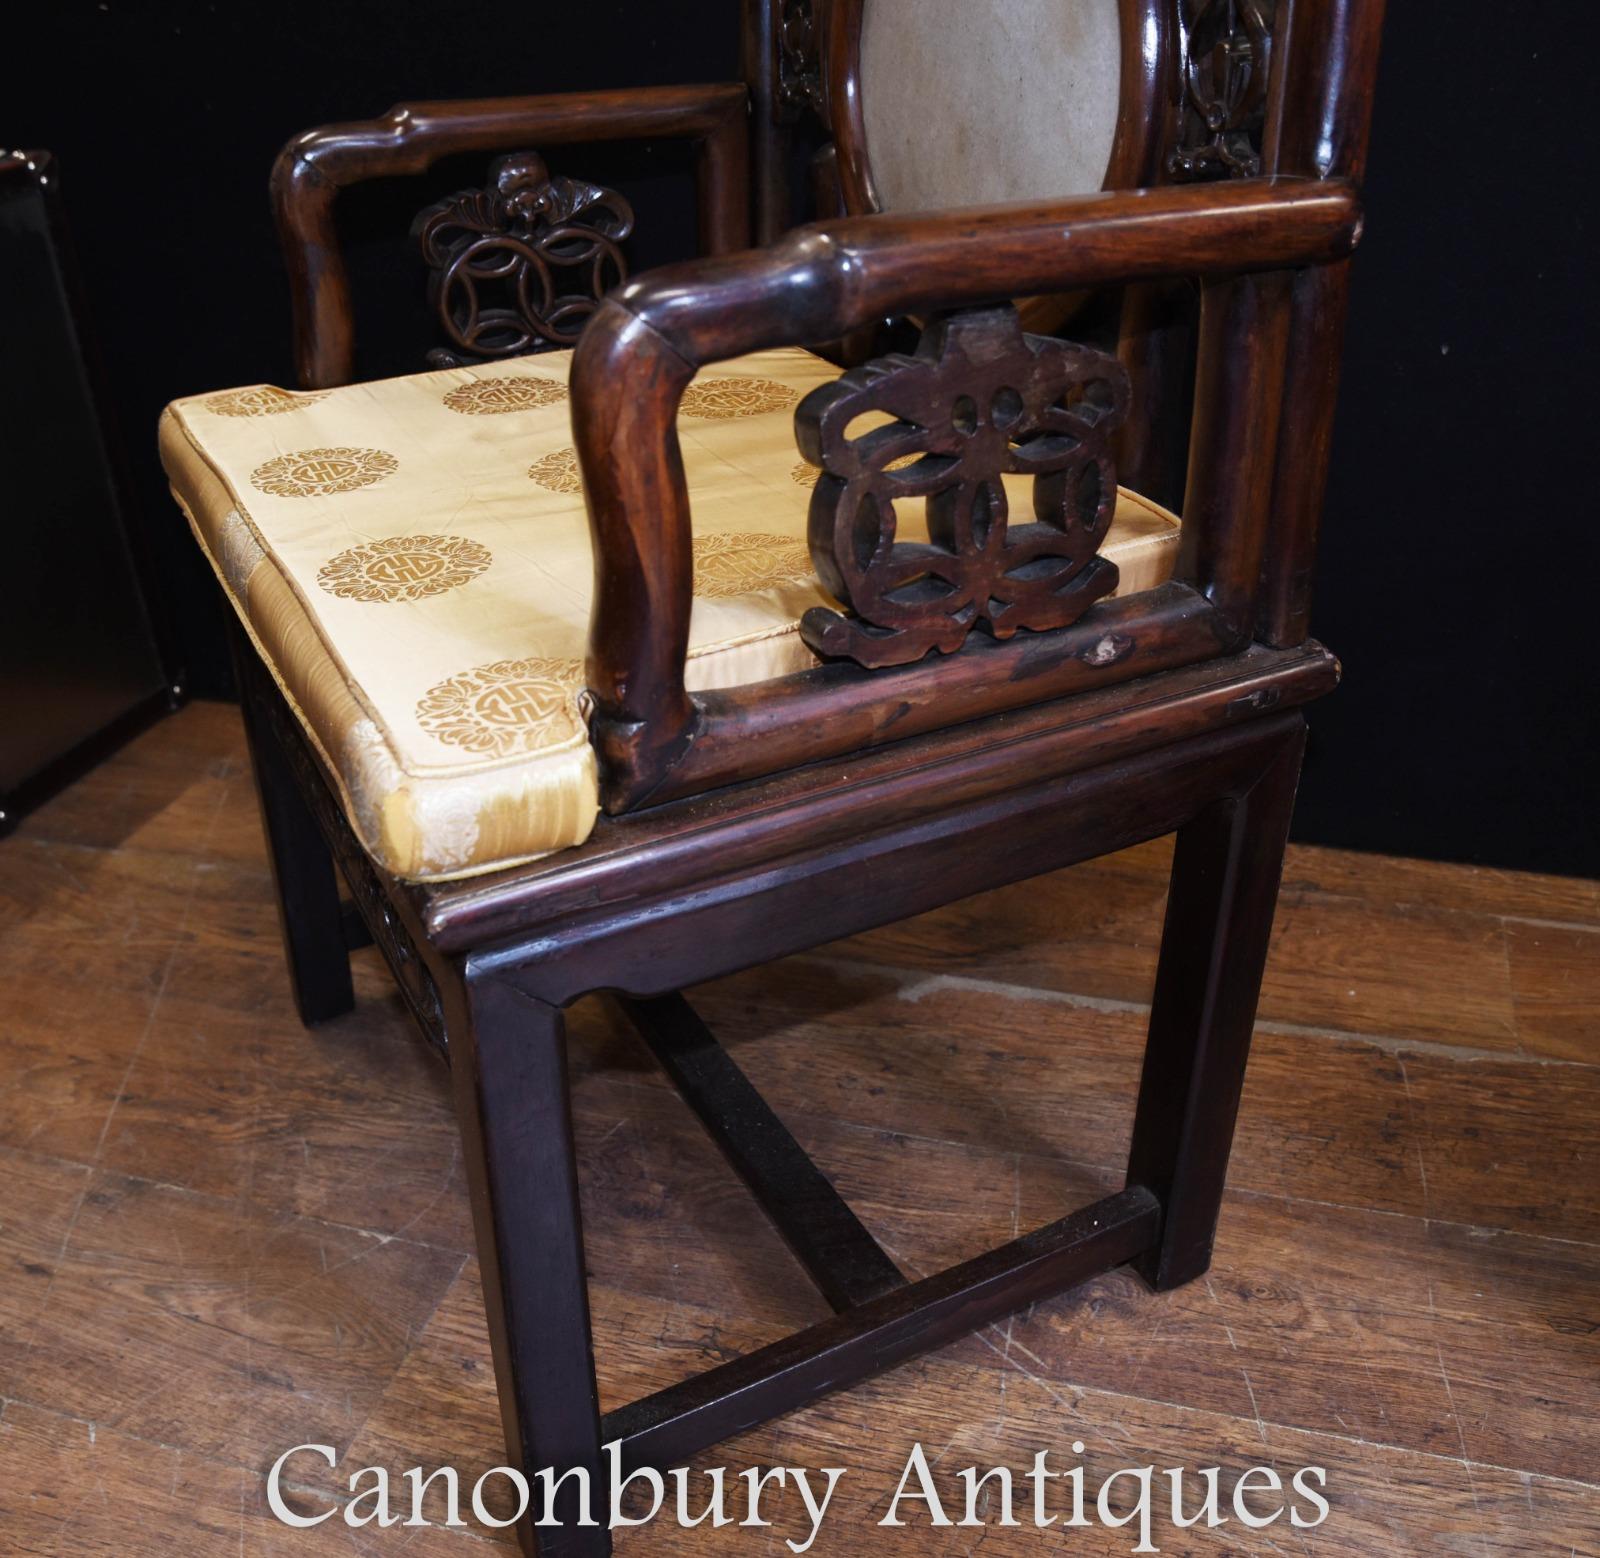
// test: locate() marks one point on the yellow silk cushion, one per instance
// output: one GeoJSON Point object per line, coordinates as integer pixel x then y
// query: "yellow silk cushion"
{"type": "Point", "coordinates": [411, 559]}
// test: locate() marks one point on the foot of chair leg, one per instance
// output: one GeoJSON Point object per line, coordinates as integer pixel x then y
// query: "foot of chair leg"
{"type": "Point", "coordinates": [509, 1068]}
{"type": "Point", "coordinates": [309, 912]}
{"type": "Point", "coordinates": [1224, 889]}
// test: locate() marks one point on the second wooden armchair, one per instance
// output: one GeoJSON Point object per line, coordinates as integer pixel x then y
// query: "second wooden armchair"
{"type": "Point", "coordinates": [591, 672]}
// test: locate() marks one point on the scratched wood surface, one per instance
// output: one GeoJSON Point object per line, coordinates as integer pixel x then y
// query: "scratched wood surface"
{"type": "Point", "coordinates": [221, 1235]}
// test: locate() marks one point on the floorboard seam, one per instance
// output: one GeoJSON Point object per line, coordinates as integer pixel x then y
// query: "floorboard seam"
{"type": "Point", "coordinates": [1109, 1171]}
{"type": "Point", "coordinates": [918, 984]}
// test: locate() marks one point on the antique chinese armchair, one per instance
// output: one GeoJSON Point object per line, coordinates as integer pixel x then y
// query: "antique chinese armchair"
{"type": "Point", "coordinates": [673, 625]}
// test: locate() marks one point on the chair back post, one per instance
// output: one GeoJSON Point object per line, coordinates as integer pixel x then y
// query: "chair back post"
{"type": "Point", "coordinates": [1253, 496]}
{"type": "Point", "coordinates": [781, 48]}
{"type": "Point", "coordinates": [1233, 443]}
{"type": "Point", "coordinates": [1205, 128]}
{"type": "Point", "coordinates": [769, 136]}
{"type": "Point", "coordinates": [1318, 126]}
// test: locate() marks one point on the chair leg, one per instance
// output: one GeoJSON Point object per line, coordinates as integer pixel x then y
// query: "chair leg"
{"type": "Point", "coordinates": [309, 912]}
{"type": "Point", "coordinates": [509, 1066]}
{"type": "Point", "coordinates": [1225, 875]}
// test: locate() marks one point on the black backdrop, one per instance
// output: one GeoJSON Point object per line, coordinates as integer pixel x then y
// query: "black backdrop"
{"type": "Point", "coordinates": [1459, 547]}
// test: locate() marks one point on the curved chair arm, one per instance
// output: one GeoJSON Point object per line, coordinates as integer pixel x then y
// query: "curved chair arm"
{"type": "Point", "coordinates": [409, 139]}
{"type": "Point", "coordinates": [647, 341]}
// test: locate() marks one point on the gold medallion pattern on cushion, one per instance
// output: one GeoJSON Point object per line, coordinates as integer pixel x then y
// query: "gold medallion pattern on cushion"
{"type": "Point", "coordinates": [264, 401]}
{"type": "Point", "coordinates": [454, 753]}
{"type": "Point", "coordinates": [505, 707]}
{"type": "Point", "coordinates": [716, 400]}
{"type": "Point", "coordinates": [403, 568]}
{"type": "Point", "coordinates": [739, 564]}
{"type": "Point", "coordinates": [805, 473]}
{"type": "Point", "coordinates": [316, 473]}
{"type": "Point", "coordinates": [558, 471]}
{"type": "Point", "coordinates": [492, 397]}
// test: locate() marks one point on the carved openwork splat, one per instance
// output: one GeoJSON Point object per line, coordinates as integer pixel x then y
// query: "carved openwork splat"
{"type": "Point", "coordinates": [1227, 57]}
{"type": "Point", "coordinates": [520, 266]}
{"type": "Point", "coordinates": [799, 60]}
{"type": "Point", "coordinates": [977, 400]}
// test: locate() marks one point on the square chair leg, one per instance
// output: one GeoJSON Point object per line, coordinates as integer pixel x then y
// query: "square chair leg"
{"type": "Point", "coordinates": [1225, 874]}
{"type": "Point", "coordinates": [315, 935]}
{"type": "Point", "coordinates": [508, 1065]}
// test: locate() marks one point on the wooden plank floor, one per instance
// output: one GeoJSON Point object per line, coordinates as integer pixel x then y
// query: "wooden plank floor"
{"type": "Point", "coordinates": [221, 1235]}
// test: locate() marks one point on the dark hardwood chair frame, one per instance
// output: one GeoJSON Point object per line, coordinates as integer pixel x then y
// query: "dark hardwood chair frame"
{"type": "Point", "coordinates": [750, 823]}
